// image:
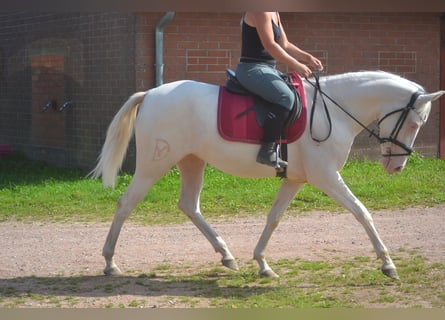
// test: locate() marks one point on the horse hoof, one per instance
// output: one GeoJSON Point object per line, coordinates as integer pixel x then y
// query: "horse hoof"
{"type": "Point", "coordinates": [392, 273]}
{"type": "Point", "coordinates": [114, 271]}
{"type": "Point", "coordinates": [268, 274]}
{"type": "Point", "coordinates": [230, 263]}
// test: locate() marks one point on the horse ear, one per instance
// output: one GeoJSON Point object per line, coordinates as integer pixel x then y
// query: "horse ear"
{"type": "Point", "coordinates": [430, 97]}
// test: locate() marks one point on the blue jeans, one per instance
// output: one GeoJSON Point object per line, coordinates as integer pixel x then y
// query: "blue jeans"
{"type": "Point", "coordinates": [265, 81]}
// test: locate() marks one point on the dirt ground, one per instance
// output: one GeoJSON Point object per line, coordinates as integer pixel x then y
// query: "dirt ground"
{"type": "Point", "coordinates": [46, 250]}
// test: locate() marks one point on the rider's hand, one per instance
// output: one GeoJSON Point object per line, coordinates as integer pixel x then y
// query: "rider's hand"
{"type": "Point", "coordinates": [303, 70]}
{"type": "Point", "coordinates": [315, 64]}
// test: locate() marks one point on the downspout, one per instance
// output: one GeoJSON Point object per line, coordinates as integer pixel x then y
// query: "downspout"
{"type": "Point", "coordinates": [159, 47]}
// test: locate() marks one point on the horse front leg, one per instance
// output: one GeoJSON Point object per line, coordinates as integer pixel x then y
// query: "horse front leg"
{"type": "Point", "coordinates": [285, 195]}
{"type": "Point", "coordinates": [336, 188]}
{"type": "Point", "coordinates": [191, 169]}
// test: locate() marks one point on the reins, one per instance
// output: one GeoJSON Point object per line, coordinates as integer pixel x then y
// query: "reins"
{"type": "Point", "coordinates": [314, 103]}
{"type": "Point", "coordinates": [392, 138]}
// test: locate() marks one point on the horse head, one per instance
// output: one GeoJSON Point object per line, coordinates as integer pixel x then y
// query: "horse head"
{"type": "Point", "coordinates": [399, 128]}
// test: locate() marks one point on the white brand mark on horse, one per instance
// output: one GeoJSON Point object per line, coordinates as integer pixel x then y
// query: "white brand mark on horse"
{"type": "Point", "coordinates": [161, 150]}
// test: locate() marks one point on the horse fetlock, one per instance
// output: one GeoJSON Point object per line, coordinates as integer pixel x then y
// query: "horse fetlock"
{"type": "Point", "coordinates": [108, 253]}
{"type": "Point", "coordinates": [265, 270]}
{"type": "Point", "coordinates": [258, 255]}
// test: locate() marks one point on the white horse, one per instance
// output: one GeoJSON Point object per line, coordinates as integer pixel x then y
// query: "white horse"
{"type": "Point", "coordinates": [175, 124]}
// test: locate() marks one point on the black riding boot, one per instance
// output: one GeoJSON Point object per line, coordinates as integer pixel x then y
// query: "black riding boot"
{"type": "Point", "coordinates": [273, 126]}
{"type": "Point", "coordinates": [268, 155]}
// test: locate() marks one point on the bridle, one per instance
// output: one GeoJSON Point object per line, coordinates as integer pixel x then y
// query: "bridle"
{"type": "Point", "coordinates": [392, 137]}
{"type": "Point", "coordinates": [395, 132]}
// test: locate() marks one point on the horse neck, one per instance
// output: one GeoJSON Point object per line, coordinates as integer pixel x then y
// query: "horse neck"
{"type": "Point", "coordinates": [365, 95]}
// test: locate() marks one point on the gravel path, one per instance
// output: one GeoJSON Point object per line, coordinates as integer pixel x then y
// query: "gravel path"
{"type": "Point", "coordinates": [48, 249]}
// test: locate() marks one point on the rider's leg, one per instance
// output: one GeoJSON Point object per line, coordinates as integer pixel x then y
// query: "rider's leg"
{"type": "Point", "coordinates": [273, 126]}
{"type": "Point", "coordinates": [265, 81]}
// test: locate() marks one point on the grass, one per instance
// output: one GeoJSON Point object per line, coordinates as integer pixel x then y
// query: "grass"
{"type": "Point", "coordinates": [31, 190]}
{"type": "Point", "coordinates": [355, 283]}
{"type": "Point", "coordinates": [34, 191]}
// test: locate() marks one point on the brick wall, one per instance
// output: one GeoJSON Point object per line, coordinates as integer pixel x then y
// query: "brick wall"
{"type": "Point", "coordinates": [108, 56]}
{"type": "Point", "coordinates": [97, 51]}
{"type": "Point", "coordinates": [406, 44]}
{"type": "Point", "coordinates": [198, 46]}
{"type": "Point", "coordinates": [201, 46]}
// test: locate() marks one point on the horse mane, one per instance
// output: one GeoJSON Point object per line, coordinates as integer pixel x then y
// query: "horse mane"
{"type": "Point", "coordinates": [375, 75]}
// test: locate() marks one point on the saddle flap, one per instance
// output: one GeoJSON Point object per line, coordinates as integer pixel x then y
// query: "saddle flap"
{"type": "Point", "coordinates": [246, 128]}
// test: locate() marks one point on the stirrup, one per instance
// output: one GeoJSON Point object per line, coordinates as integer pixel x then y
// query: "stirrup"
{"type": "Point", "coordinates": [279, 163]}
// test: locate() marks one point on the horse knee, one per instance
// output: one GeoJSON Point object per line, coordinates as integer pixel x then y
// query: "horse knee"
{"type": "Point", "coordinates": [119, 203]}
{"type": "Point", "coordinates": [364, 217]}
{"type": "Point", "coordinates": [122, 210]}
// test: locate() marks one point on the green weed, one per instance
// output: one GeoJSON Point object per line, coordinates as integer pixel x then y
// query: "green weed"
{"type": "Point", "coordinates": [31, 190]}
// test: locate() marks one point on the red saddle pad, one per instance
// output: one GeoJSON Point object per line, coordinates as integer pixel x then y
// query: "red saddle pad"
{"type": "Point", "coordinates": [246, 128]}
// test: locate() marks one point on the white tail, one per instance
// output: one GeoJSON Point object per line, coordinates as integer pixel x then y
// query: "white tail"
{"type": "Point", "coordinates": [116, 143]}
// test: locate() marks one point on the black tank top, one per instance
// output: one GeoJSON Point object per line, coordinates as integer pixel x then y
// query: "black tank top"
{"type": "Point", "coordinates": [251, 46]}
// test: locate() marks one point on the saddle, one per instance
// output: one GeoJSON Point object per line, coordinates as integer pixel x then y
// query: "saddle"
{"type": "Point", "coordinates": [241, 113]}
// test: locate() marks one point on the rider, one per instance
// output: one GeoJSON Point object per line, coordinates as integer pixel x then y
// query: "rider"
{"type": "Point", "coordinates": [264, 42]}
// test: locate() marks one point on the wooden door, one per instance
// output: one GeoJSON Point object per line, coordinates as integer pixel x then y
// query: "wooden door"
{"type": "Point", "coordinates": [48, 91]}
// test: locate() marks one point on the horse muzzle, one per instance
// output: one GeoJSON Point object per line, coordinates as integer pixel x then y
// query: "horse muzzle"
{"type": "Point", "coordinates": [393, 164]}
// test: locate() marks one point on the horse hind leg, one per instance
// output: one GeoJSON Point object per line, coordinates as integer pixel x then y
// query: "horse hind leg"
{"type": "Point", "coordinates": [191, 169]}
{"type": "Point", "coordinates": [284, 197]}
{"type": "Point", "coordinates": [134, 194]}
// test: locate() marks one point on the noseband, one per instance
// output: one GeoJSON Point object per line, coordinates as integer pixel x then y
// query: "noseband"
{"type": "Point", "coordinates": [392, 137]}
{"type": "Point", "coordinates": [395, 132]}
